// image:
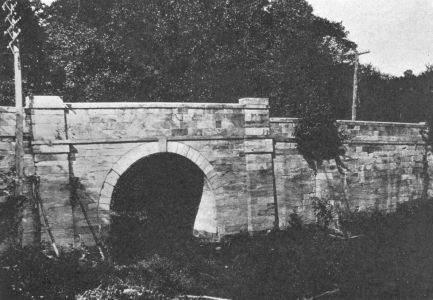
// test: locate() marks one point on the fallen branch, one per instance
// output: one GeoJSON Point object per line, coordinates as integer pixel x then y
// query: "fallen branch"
{"type": "Point", "coordinates": [346, 237]}
{"type": "Point", "coordinates": [356, 236]}
{"type": "Point", "coordinates": [35, 180]}
{"type": "Point", "coordinates": [328, 293]}
{"type": "Point", "coordinates": [204, 297]}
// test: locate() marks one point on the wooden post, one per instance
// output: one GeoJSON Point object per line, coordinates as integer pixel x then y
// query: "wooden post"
{"type": "Point", "coordinates": [13, 31]}
{"type": "Point", "coordinates": [355, 86]}
{"type": "Point", "coordinates": [355, 100]}
{"type": "Point", "coordinates": [19, 152]}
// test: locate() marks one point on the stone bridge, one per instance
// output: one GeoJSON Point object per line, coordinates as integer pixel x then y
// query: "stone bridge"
{"type": "Point", "coordinates": [253, 178]}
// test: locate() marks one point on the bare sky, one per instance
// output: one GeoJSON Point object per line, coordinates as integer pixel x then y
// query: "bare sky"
{"type": "Point", "coordinates": [399, 33]}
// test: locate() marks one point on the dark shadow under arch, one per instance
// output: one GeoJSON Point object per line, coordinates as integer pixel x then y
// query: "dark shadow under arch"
{"type": "Point", "coordinates": [154, 205]}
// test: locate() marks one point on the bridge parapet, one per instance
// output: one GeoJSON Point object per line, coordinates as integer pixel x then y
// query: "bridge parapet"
{"type": "Point", "coordinates": [368, 132]}
{"type": "Point", "coordinates": [257, 178]}
{"type": "Point", "coordinates": [386, 165]}
{"type": "Point", "coordinates": [86, 140]}
{"type": "Point", "coordinates": [114, 122]}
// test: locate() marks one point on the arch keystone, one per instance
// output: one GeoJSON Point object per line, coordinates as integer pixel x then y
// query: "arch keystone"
{"type": "Point", "coordinates": [172, 147]}
{"type": "Point", "coordinates": [162, 143]}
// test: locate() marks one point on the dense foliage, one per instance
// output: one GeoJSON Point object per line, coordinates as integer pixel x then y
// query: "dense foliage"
{"type": "Point", "coordinates": [407, 98]}
{"type": "Point", "coordinates": [34, 56]}
{"type": "Point", "coordinates": [317, 135]}
{"type": "Point", "coordinates": [11, 213]}
{"type": "Point", "coordinates": [389, 259]}
{"type": "Point", "coordinates": [202, 51]}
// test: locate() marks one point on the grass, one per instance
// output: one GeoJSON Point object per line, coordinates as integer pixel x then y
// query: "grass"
{"type": "Point", "coordinates": [391, 259]}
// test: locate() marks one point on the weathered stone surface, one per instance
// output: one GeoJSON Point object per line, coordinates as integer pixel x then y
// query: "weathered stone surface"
{"type": "Point", "coordinates": [384, 162]}
{"type": "Point", "coordinates": [251, 165]}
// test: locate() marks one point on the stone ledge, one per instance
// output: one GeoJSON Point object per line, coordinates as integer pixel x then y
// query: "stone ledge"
{"type": "Point", "coordinates": [254, 101]}
{"type": "Point", "coordinates": [350, 122]}
{"type": "Point", "coordinates": [156, 105]}
{"type": "Point", "coordinates": [45, 102]}
{"type": "Point", "coordinates": [145, 140]}
{"type": "Point", "coordinates": [51, 148]}
{"type": "Point", "coordinates": [359, 142]}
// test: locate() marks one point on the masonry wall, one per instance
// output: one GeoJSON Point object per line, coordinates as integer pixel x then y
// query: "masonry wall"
{"type": "Point", "coordinates": [258, 177]}
{"type": "Point", "coordinates": [83, 141]}
{"type": "Point", "coordinates": [384, 161]}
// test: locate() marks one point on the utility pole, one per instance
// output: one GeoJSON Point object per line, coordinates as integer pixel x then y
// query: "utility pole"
{"type": "Point", "coordinates": [13, 31]}
{"type": "Point", "coordinates": [355, 100]}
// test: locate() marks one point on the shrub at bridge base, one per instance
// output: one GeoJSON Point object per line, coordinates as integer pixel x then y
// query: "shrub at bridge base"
{"type": "Point", "coordinates": [388, 260]}
{"type": "Point", "coordinates": [11, 213]}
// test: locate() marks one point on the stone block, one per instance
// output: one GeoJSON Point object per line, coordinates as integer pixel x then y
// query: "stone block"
{"type": "Point", "coordinates": [50, 149]}
{"type": "Point", "coordinates": [261, 146]}
{"type": "Point", "coordinates": [112, 178]}
{"type": "Point", "coordinates": [254, 131]}
{"type": "Point", "coordinates": [45, 102]}
{"type": "Point", "coordinates": [254, 101]}
{"type": "Point", "coordinates": [104, 207]}
{"type": "Point", "coordinates": [193, 155]}
{"type": "Point", "coordinates": [107, 190]}
{"type": "Point", "coordinates": [104, 199]}
{"type": "Point", "coordinates": [182, 149]}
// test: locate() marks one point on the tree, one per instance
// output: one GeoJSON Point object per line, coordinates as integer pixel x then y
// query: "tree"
{"type": "Point", "coordinates": [195, 50]}
{"type": "Point", "coordinates": [396, 99]}
{"type": "Point", "coordinates": [33, 55]}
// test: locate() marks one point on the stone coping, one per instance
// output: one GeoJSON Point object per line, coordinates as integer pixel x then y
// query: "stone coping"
{"type": "Point", "coordinates": [146, 140]}
{"type": "Point", "coordinates": [152, 105]}
{"type": "Point", "coordinates": [359, 141]}
{"type": "Point", "coordinates": [56, 102]}
{"type": "Point", "coordinates": [350, 122]}
{"type": "Point", "coordinates": [276, 139]}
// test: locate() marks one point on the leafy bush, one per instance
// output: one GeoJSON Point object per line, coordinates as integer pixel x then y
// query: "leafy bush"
{"type": "Point", "coordinates": [317, 135]}
{"type": "Point", "coordinates": [34, 272]}
{"type": "Point", "coordinates": [300, 262]}
{"type": "Point", "coordinates": [290, 264]}
{"type": "Point", "coordinates": [121, 291]}
{"type": "Point", "coordinates": [357, 222]}
{"type": "Point", "coordinates": [157, 273]}
{"type": "Point", "coordinates": [10, 219]}
{"type": "Point", "coordinates": [295, 221]}
{"type": "Point", "coordinates": [324, 211]}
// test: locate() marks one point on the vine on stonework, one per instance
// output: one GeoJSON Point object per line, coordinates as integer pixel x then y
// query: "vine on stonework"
{"type": "Point", "coordinates": [427, 137]}
{"type": "Point", "coordinates": [318, 137]}
{"type": "Point", "coordinates": [10, 211]}
{"type": "Point", "coordinates": [427, 134]}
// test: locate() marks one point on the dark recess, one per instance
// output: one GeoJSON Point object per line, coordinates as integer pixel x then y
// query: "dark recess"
{"type": "Point", "coordinates": [154, 205]}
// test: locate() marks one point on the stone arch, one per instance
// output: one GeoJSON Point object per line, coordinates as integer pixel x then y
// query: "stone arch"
{"type": "Point", "coordinates": [211, 184]}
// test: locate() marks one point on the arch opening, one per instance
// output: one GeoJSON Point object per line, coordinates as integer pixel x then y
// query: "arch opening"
{"type": "Point", "coordinates": [159, 202]}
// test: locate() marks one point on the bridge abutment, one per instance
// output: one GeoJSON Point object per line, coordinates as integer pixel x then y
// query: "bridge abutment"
{"type": "Point", "coordinates": [255, 178]}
